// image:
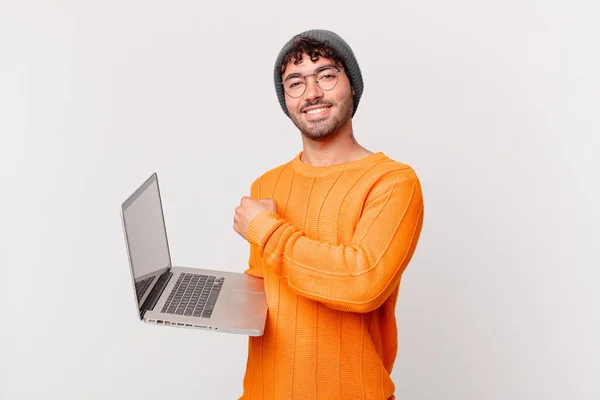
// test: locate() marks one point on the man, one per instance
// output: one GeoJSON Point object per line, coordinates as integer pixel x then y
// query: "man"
{"type": "Point", "coordinates": [331, 233]}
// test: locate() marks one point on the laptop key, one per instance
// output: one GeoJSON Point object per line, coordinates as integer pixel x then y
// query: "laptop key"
{"type": "Point", "coordinates": [212, 299]}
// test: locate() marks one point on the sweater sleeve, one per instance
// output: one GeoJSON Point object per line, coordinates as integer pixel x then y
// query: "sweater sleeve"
{"type": "Point", "coordinates": [355, 277]}
{"type": "Point", "coordinates": [254, 268]}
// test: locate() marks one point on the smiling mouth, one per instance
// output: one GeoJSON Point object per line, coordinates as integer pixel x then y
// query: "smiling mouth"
{"type": "Point", "coordinates": [316, 110]}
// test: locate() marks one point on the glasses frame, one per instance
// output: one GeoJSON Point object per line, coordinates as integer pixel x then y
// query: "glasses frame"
{"type": "Point", "coordinates": [337, 72]}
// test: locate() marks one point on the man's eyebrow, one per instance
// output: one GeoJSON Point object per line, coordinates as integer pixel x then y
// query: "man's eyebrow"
{"type": "Point", "coordinates": [295, 74]}
{"type": "Point", "coordinates": [330, 65]}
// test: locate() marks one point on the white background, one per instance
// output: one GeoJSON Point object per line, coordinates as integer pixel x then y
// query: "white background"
{"type": "Point", "coordinates": [494, 103]}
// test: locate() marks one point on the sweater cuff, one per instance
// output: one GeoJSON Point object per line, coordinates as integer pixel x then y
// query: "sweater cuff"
{"type": "Point", "coordinates": [262, 227]}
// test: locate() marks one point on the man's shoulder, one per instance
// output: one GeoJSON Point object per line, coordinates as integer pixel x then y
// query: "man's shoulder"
{"type": "Point", "coordinates": [270, 176]}
{"type": "Point", "coordinates": [392, 169]}
{"type": "Point", "coordinates": [388, 174]}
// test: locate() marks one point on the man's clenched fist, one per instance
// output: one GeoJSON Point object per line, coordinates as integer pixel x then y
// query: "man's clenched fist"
{"type": "Point", "coordinates": [248, 209]}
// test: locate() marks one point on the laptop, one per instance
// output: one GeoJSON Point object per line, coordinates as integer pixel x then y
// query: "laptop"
{"type": "Point", "coordinates": [177, 296]}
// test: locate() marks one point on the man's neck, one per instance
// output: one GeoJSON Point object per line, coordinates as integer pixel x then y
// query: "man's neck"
{"type": "Point", "coordinates": [339, 148]}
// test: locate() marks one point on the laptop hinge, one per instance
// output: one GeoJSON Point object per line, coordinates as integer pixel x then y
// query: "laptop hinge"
{"type": "Point", "coordinates": [156, 291]}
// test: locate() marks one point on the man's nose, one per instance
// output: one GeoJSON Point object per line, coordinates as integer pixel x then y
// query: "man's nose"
{"type": "Point", "coordinates": [313, 91]}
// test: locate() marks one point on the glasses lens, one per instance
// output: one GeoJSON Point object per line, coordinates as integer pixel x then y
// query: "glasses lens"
{"type": "Point", "coordinates": [327, 78]}
{"type": "Point", "coordinates": [294, 86]}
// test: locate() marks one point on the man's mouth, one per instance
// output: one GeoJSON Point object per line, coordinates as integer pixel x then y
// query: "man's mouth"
{"type": "Point", "coordinates": [314, 110]}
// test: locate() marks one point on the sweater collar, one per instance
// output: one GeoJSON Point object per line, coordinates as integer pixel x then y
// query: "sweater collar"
{"type": "Point", "coordinates": [316, 171]}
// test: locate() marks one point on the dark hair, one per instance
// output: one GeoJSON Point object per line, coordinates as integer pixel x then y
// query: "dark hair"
{"type": "Point", "coordinates": [312, 48]}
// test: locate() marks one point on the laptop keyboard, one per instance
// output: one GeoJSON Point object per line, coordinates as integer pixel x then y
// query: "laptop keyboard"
{"type": "Point", "coordinates": [194, 295]}
{"type": "Point", "coordinates": [142, 286]}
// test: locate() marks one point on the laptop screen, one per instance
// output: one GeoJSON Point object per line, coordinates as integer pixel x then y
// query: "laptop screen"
{"type": "Point", "coordinates": [146, 237]}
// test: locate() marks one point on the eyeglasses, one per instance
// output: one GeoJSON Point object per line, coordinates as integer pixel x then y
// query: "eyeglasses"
{"type": "Point", "coordinates": [325, 77]}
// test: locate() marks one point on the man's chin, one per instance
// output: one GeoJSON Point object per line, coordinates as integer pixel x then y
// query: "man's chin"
{"type": "Point", "coordinates": [317, 134]}
{"type": "Point", "coordinates": [316, 129]}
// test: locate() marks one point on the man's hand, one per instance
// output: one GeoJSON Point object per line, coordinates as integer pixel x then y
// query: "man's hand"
{"type": "Point", "coordinates": [247, 210]}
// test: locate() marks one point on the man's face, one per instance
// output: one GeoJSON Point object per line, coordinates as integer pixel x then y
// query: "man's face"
{"type": "Point", "coordinates": [318, 113]}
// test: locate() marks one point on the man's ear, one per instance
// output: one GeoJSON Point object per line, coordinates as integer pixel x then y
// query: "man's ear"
{"type": "Point", "coordinates": [353, 92]}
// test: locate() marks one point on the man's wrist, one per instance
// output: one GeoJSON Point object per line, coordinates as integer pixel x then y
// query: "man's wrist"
{"type": "Point", "coordinates": [262, 227]}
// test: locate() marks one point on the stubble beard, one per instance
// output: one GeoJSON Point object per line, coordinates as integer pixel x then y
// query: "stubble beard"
{"type": "Point", "coordinates": [327, 127]}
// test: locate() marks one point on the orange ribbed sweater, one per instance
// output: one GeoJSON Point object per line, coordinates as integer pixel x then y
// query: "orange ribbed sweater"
{"type": "Point", "coordinates": [332, 257]}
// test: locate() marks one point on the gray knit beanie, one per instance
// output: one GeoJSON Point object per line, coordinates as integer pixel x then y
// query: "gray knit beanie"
{"type": "Point", "coordinates": [338, 44]}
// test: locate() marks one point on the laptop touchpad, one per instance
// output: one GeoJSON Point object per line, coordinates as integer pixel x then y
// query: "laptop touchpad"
{"type": "Point", "coordinates": [245, 299]}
